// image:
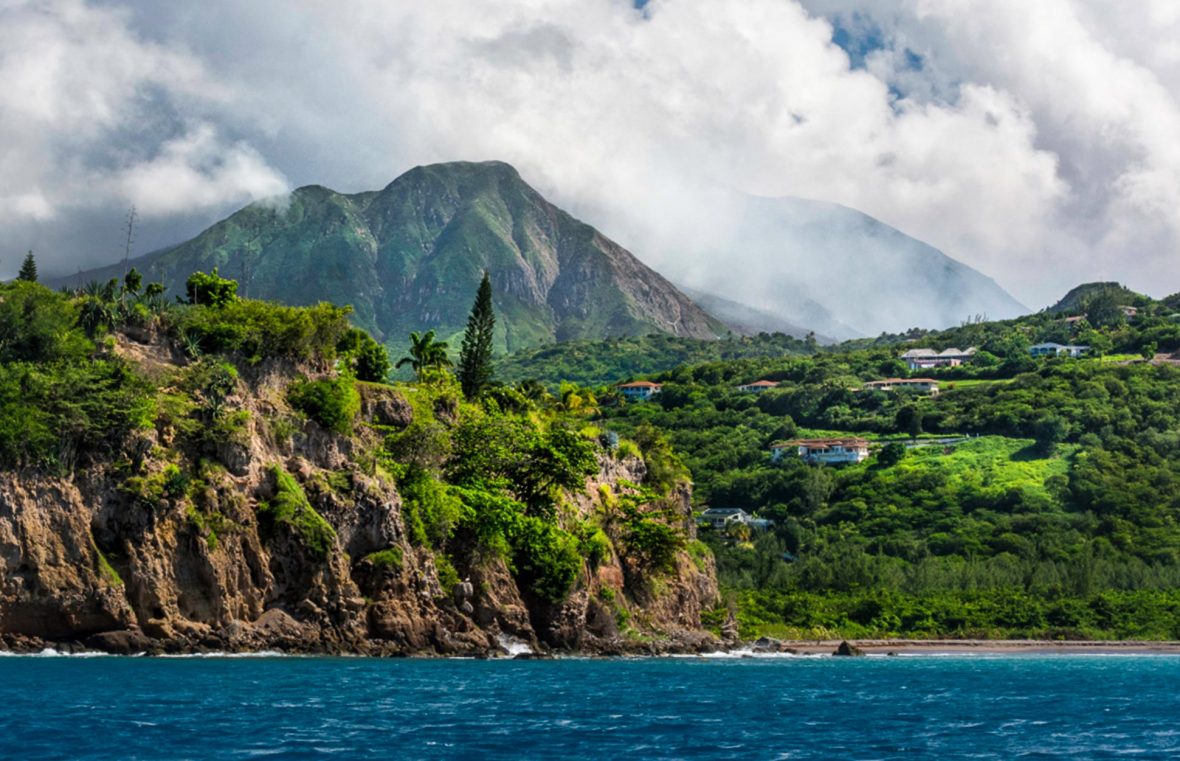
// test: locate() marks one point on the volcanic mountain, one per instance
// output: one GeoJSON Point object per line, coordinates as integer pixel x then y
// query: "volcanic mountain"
{"type": "Point", "coordinates": [410, 257]}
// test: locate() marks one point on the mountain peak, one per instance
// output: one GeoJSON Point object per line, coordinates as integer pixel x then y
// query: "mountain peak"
{"type": "Point", "coordinates": [409, 258]}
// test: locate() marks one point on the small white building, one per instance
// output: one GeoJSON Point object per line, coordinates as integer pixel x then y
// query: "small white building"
{"type": "Point", "coordinates": [720, 517]}
{"type": "Point", "coordinates": [639, 390]}
{"type": "Point", "coordinates": [921, 385]}
{"type": "Point", "coordinates": [826, 451]}
{"type": "Point", "coordinates": [758, 387]}
{"type": "Point", "coordinates": [925, 359]}
{"type": "Point", "coordinates": [1050, 349]}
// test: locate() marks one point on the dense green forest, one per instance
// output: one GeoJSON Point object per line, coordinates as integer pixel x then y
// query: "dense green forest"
{"type": "Point", "coordinates": [1031, 497]}
{"type": "Point", "coordinates": [591, 363]}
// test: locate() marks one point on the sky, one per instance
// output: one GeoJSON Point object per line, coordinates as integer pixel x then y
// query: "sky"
{"type": "Point", "coordinates": [1037, 142]}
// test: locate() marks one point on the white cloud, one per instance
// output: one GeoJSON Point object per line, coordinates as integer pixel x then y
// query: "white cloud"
{"type": "Point", "coordinates": [94, 117]}
{"type": "Point", "coordinates": [1101, 82]}
{"type": "Point", "coordinates": [198, 170]}
{"type": "Point", "coordinates": [1035, 142]}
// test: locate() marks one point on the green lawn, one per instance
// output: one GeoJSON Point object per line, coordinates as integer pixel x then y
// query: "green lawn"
{"type": "Point", "coordinates": [951, 385]}
{"type": "Point", "coordinates": [993, 462]}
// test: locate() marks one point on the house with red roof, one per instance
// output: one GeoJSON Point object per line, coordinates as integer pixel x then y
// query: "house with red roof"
{"type": "Point", "coordinates": [758, 387]}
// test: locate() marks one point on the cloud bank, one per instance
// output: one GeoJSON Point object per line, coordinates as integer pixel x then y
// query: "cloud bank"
{"type": "Point", "coordinates": [1034, 141]}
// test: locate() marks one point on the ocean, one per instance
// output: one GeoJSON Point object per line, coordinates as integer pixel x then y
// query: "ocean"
{"type": "Point", "coordinates": [921, 707]}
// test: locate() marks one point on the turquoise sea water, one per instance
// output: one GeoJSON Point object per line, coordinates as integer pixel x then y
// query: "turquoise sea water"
{"type": "Point", "coordinates": [1083, 707]}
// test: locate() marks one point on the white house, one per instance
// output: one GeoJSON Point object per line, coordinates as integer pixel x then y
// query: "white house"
{"type": "Point", "coordinates": [827, 451]}
{"type": "Point", "coordinates": [921, 385]}
{"type": "Point", "coordinates": [720, 517]}
{"type": "Point", "coordinates": [758, 386]}
{"type": "Point", "coordinates": [1050, 349]}
{"type": "Point", "coordinates": [924, 359]}
{"type": "Point", "coordinates": [639, 390]}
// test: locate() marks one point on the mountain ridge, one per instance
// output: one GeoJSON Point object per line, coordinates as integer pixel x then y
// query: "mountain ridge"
{"type": "Point", "coordinates": [408, 257]}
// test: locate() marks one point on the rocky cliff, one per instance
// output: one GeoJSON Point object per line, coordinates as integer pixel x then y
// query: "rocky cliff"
{"type": "Point", "coordinates": [147, 551]}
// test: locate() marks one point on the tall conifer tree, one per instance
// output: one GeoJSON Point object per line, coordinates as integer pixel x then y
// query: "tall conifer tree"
{"type": "Point", "coordinates": [475, 356]}
{"type": "Point", "coordinates": [28, 270]}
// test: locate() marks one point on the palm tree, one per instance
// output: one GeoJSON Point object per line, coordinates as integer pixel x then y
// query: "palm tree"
{"type": "Point", "coordinates": [94, 315]}
{"type": "Point", "coordinates": [425, 354]}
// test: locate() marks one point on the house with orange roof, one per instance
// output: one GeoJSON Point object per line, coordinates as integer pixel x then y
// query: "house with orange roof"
{"type": "Point", "coordinates": [758, 387]}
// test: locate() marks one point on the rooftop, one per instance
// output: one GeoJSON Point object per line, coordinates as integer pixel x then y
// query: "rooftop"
{"type": "Point", "coordinates": [640, 384]}
{"type": "Point", "coordinates": [723, 511]}
{"type": "Point", "coordinates": [895, 381]}
{"type": "Point", "coordinates": [843, 442]}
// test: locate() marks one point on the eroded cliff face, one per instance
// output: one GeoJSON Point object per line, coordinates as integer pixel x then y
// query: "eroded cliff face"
{"type": "Point", "coordinates": [88, 560]}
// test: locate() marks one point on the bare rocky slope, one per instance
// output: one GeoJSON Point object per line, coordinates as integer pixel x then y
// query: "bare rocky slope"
{"type": "Point", "coordinates": [91, 560]}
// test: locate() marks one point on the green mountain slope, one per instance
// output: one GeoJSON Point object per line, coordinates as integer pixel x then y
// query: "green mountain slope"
{"type": "Point", "coordinates": [409, 257]}
{"type": "Point", "coordinates": [1079, 298]}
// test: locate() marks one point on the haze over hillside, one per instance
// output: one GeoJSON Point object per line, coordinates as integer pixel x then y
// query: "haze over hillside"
{"type": "Point", "coordinates": [409, 258]}
{"type": "Point", "coordinates": [836, 270]}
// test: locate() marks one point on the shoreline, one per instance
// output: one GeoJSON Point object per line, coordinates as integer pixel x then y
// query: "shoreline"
{"type": "Point", "coordinates": [984, 647]}
{"type": "Point", "coordinates": [756, 649]}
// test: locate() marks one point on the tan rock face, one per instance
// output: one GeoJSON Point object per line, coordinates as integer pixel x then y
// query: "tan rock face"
{"type": "Point", "coordinates": [53, 583]}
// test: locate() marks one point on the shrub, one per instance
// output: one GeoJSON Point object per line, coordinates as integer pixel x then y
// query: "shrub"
{"type": "Point", "coordinates": [546, 558]}
{"type": "Point", "coordinates": [332, 403]}
{"type": "Point", "coordinates": [387, 558]}
{"type": "Point", "coordinates": [432, 510]}
{"type": "Point", "coordinates": [594, 545]}
{"type": "Point", "coordinates": [257, 330]}
{"type": "Point", "coordinates": [290, 507]}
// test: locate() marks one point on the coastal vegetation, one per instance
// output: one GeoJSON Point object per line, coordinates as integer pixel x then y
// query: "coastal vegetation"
{"type": "Point", "coordinates": [1031, 497]}
{"type": "Point", "coordinates": [170, 402]}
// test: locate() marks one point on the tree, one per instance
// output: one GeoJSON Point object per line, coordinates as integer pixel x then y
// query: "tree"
{"type": "Point", "coordinates": [425, 354]}
{"type": "Point", "coordinates": [210, 289]}
{"type": "Point", "coordinates": [1104, 311]}
{"type": "Point", "coordinates": [909, 420]}
{"type": "Point", "coordinates": [1049, 431]}
{"type": "Point", "coordinates": [475, 356]}
{"type": "Point", "coordinates": [153, 295]}
{"type": "Point", "coordinates": [132, 281]}
{"type": "Point", "coordinates": [369, 360]}
{"type": "Point", "coordinates": [891, 454]}
{"type": "Point", "coordinates": [28, 269]}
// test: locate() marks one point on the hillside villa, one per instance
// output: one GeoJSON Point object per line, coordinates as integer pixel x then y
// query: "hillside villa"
{"type": "Point", "coordinates": [721, 518]}
{"type": "Point", "coordinates": [924, 359]}
{"type": "Point", "coordinates": [1050, 349]}
{"type": "Point", "coordinates": [921, 385]}
{"type": "Point", "coordinates": [639, 390]}
{"type": "Point", "coordinates": [758, 386]}
{"type": "Point", "coordinates": [827, 451]}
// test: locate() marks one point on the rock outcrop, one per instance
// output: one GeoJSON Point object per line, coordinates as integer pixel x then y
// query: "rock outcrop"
{"type": "Point", "coordinates": [101, 560]}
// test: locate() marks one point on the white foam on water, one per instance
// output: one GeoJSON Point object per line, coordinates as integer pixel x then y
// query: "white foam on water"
{"type": "Point", "coordinates": [514, 646]}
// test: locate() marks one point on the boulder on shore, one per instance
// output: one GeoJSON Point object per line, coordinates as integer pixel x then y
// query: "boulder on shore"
{"type": "Point", "coordinates": [846, 648]}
